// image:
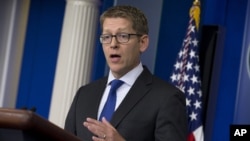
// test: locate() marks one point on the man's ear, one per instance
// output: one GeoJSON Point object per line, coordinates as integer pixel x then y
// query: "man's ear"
{"type": "Point", "coordinates": [144, 42]}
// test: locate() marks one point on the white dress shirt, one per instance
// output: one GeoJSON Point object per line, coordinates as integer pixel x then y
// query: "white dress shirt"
{"type": "Point", "coordinates": [128, 79]}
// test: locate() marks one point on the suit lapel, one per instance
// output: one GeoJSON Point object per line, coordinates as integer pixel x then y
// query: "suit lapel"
{"type": "Point", "coordinates": [94, 98]}
{"type": "Point", "coordinates": [134, 95]}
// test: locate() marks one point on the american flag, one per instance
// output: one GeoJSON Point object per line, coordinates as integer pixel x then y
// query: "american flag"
{"type": "Point", "coordinates": [186, 76]}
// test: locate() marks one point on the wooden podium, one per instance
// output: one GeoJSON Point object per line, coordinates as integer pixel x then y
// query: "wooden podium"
{"type": "Point", "coordinates": [24, 125]}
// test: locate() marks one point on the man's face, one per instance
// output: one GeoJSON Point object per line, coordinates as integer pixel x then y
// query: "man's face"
{"type": "Point", "coordinates": [122, 57]}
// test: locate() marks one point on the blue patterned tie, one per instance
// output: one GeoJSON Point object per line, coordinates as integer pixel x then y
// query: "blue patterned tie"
{"type": "Point", "coordinates": [109, 106]}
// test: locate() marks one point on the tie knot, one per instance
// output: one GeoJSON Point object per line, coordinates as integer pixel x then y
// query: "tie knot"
{"type": "Point", "coordinates": [116, 83]}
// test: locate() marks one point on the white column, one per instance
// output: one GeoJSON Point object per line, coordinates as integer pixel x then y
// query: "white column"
{"type": "Point", "coordinates": [75, 55]}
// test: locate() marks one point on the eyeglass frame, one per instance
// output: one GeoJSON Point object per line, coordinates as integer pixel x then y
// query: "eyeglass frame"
{"type": "Point", "coordinates": [117, 39]}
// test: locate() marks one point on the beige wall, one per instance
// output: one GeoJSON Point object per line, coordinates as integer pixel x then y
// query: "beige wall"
{"type": "Point", "coordinates": [13, 15]}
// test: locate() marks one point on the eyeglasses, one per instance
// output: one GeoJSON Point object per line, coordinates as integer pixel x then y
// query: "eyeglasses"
{"type": "Point", "coordinates": [120, 38]}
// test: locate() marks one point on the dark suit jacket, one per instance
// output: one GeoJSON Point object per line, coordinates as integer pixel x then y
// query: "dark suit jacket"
{"type": "Point", "coordinates": [153, 110]}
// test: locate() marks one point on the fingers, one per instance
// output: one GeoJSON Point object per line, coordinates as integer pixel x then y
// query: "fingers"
{"type": "Point", "coordinates": [102, 130]}
{"type": "Point", "coordinates": [93, 121]}
{"type": "Point", "coordinates": [99, 138]}
{"type": "Point", "coordinates": [97, 124]}
{"type": "Point", "coordinates": [94, 138]}
{"type": "Point", "coordinates": [105, 122]}
{"type": "Point", "coordinates": [96, 127]}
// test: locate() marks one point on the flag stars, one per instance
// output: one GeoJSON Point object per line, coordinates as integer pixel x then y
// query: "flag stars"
{"type": "Point", "coordinates": [186, 78]}
{"type": "Point", "coordinates": [182, 88]}
{"type": "Point", "coordinates": [197, 68]}
{"type": "Point", "coordinates": [195, 42]}
{"type": "Point", "coordinates": [193, 116]}
{"type": "Point", "coordinates": [197, 104]}
{"type": "Point", "coordinates": [173, 77]}
{"type": "Point", "coordinates": [192, 54]}
{"type": "Point", "coordinates": [189, 65]}
{"type": "Point", "coordinates": [188, 102]}
{"type": "Point", "coordinates": [192, 28]}
{"type": "Point", "coordinates": [190, 91]}
{"type": "Point", "coordinates": [180, 54]}
{"type": "Point", "coordinates": [194, 79]}
{"type": "Point", "coordinates": [177, 65]}
{"type": "Point", "coordinates": [199, 93]}
{"type": "Point", "coordinates": [189, 41]}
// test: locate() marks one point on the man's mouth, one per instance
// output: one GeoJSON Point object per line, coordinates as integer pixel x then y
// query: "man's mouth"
{"type": "Point", "coordinates": [115, 58]}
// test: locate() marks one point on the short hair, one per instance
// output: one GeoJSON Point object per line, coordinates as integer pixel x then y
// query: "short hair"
{"type": "Point", "coordinates": [136, 16]}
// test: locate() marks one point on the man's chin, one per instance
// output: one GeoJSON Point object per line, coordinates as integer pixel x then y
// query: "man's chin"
{"type": "Point", "coordinates": [117, 72]}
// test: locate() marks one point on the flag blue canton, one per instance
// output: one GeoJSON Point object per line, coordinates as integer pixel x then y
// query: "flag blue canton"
{"type": "Point", "coordinates": [186, 76]}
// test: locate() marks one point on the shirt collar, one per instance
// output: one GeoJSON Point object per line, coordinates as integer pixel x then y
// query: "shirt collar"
{"type": "Point", "coordinates": [130, 77]}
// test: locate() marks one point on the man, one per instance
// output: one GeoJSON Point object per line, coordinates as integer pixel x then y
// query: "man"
{"type": "Point", "coordinates": [147, 108]}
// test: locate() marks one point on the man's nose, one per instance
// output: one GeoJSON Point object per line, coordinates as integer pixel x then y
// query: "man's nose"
{"type": "Point", "coordinates": [114, 42]}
